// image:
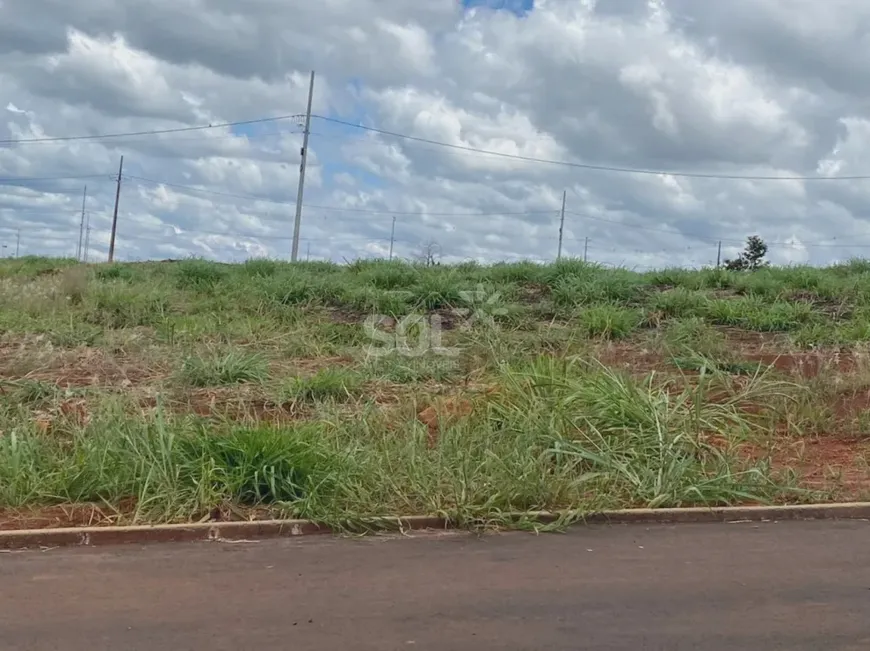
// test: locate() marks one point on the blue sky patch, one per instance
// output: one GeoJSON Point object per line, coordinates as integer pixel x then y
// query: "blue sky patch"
{"type": "Point", "coordinates": [518, 7]}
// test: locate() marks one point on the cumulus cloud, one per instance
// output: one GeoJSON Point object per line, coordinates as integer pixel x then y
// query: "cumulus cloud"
{"type": "Point", "coordinates": [744, 88]}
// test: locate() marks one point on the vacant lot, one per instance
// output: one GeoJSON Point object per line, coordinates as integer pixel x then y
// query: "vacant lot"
{"type": "Point", "coordinates": [189, 390]}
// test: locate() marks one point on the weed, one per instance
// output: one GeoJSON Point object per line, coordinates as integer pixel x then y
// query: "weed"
{"type": "Point", "coordinates": [198, 274]}
{"type": "Point", "coordinates": [122, 306]}
{"type": "Point", "coordinates": [33, 393]}
{"type": "Point", "coordinates": [694, 336]}
{"type": "Point", "coordinates": [261, 267]}
{"type": "Point", "coordinates": [407, 370]}
{"type": "Point", "coordinates": [607, 321]}
{"type": "Point", "coordinates": [436, 290]}
{"type": "Point", "coordinates": [679, 303]}
{"type": "Point", "coordinates": [215, 369]}
{"type": "Point", "coordinates": [117, 272]}
{"type": "Point", "coordinates": [633, 438]}
{"type": "Point", "coordinates": [591, 288]}
{"type": "Point", "coordinates": [256, 466]}
{"type": "Point", "coordinates": [73, 284]}
{"type": "Point", "coordinates": [327, 384]}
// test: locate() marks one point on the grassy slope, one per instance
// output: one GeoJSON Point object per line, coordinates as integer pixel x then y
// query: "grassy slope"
{"type": "Point", "coordinates": [167, 390]}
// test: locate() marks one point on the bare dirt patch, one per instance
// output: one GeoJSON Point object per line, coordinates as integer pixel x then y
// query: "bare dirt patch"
{"type": "Point", "coordinates": [66, 515]}
{"type": "Point", "coordinates": [632, 357]}
{"type": "Point", "coordinates": [236, 404]}
{"type": "Point", "coordinates": [79, 367]}
{"type": "Point", "coordinates": [750, 341]}
{"type": "Point", "coordinates": [840, 466]}
{"type": "Point", "coordinates": [807, 365]}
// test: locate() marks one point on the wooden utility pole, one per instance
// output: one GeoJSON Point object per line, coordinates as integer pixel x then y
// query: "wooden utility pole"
{"type": "Point", "coordinates": [561, 224]}
{"type": "Point", "coordinates": [585, 248]}
{"type": "Point", "coordinates": [719, 255]}
{"type": "Point", "coordinates": [82, 225]}
{"type": "Point", "coordinates": [115, 213]}
{"type": "Point", "coordinates": [295, 251]}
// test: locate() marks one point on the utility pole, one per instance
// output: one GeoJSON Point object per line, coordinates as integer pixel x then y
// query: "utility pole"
{"type": "Point", "coordinates": [719, 255]}
{"type": "Point", "coordinates": [296, 225]}
{"type": "Point", "coordinates": [17, 242]}
{"type": "Point", "coordinates": [561, 224]}
{"type": "Point", "coordinates": [115, 214]}
{"type": "Point", "coordinates": [308, 253]}
{"type": "Point", "coordinates": [585, 248]}
{"type": "Point", "coordinates": [82, 225]}
{"type": "Point", "coordinates": [392, 237]}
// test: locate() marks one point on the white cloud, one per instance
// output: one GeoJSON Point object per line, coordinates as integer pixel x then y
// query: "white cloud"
{"type": "Point", "coordinates": [751, 88]}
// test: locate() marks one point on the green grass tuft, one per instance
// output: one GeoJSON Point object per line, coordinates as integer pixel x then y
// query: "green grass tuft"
{"type": "Point", "coordinates": [607, 321]}
{"type": "Point", "coordinates": [330, 384]}
{"type": "Point", "coordinates": [215, 369]}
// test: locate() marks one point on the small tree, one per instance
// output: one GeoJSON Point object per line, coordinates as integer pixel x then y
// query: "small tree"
{"type": "Point", "coordinates": [430, 254]}
{"type": "Point", "coordinates": [751, 258]}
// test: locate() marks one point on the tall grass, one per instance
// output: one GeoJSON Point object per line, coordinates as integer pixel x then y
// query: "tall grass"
{"type": "Point", "coordinates": [172, 470]}
{"type": "Point", "coordinates": [635, 439]}
{"type": "Point", "coordinates": [553, 432]}
{"type": "Point", "coordinates": [559, 434]}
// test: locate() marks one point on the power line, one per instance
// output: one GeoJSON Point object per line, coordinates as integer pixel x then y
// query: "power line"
{"type": "Point", "coordinates": [713, 238]}
{"type": "Point", "coordinates": [589, 166]}
{"type": "Point", "coordinates": [45, 211]}
{"type": "Point", "coordinates": [433, 214]}
{"type": "Point", "coordinates": [251, 137]}
{"type": "Point", "coordinates": [644, 228]}
{"type": "Point", "coordinates": [37, 179]}
{"type": "Point", "coordinates": [341, 238]}
{"type": "Point", "coordinates": [337, 208]}
{"type": "Point", "coordinates": [152, 132]}
{"type": "Point", "coordinates": [217, 193]}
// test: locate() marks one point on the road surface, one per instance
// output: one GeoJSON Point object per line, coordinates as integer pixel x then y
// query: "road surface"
{"type": "Point", "coordinates": [711, 587]}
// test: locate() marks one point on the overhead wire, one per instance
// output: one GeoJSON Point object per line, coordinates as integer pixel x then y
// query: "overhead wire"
{"type": "Point", "coordinates": [408, 137]}
{"type": "Point", "coordinates": [378, 211]}
{"type": "Point", "coordinates": [591, 166]}
{"type": "Point", "coordinates": [40, 179]}
{"type": "Point", "coordinates": [149, 132]}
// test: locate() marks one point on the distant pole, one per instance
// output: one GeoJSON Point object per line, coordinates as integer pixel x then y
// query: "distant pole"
{"type": "Point", "coordinates": [17, 242]}
{"type": "Point", "coordinates": [585, 249]}
{"type": "Point", "coordinates": [301, 189]}
{"type": "Point", "coordinates": [308, 253]}
{"type": "Point", "coordinates": [82, 225]}
{"type": "Point", "coordinates": [392, 237]}
{"type": "Point", "coordinates": [115, 214]}
{"type": "Point", "coordinates": [719, 255]}
{"type": "Point", "coordinates": [561, 224]}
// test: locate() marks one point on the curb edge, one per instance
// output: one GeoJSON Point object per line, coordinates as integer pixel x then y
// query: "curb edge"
{"type": "Point", "coordinates": [264, 529]}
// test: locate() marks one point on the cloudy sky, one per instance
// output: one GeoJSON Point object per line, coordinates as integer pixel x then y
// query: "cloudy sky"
{"type": "Point", "coordinates": [701, 91]}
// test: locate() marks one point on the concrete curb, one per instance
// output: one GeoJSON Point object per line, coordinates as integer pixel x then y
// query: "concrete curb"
{"type": "Point", "coordinates": [217, 531]}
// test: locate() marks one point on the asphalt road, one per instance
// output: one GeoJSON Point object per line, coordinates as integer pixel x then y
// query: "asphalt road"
{"type": "Point", "coordinates": [712, 587]}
